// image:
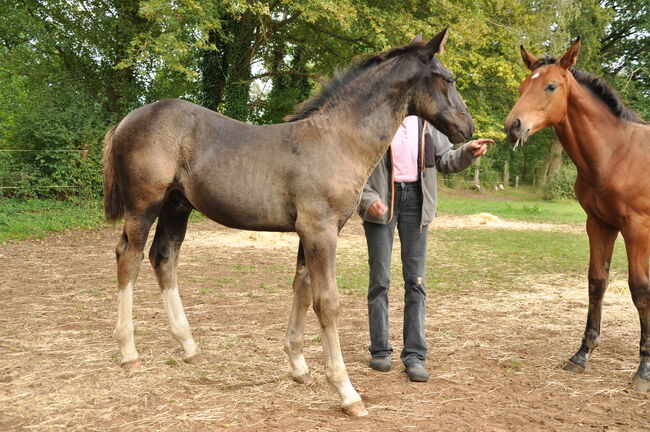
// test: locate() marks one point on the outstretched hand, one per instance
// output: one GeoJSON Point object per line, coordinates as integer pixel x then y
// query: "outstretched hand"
{"type": "Point", "coordinates": [479, 147]}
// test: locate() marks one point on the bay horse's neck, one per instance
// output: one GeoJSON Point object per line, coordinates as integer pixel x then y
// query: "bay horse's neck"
{"type": "Point", "coordinates": [590, 133]}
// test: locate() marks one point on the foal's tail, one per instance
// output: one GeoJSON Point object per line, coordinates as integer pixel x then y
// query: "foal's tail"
{"type": "Point", "coordinates": [113, 206]}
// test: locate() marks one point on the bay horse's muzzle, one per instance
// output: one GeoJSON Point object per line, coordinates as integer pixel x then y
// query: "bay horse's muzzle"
{"type": "Point", "coordinates": [516, 131]}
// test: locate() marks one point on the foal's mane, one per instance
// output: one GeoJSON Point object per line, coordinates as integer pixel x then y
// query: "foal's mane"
{"type": "Point", "coordinates": [598, 88]}
{"type": "Point", "coordinates": [341, 80]}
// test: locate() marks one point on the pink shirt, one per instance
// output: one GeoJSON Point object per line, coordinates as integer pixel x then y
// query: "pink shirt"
{"type": "Point", "coordinates": [404, 149]}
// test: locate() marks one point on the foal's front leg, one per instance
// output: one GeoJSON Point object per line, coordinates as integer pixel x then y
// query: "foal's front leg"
{"type": "Point", "coordinates": [320, 252]}
{"type": "Point", "coordinates": [295, 332]}
{"type": "Point", "coordinates": [637, 243]}
{"type": "Point", "coordinates": [601, 245]}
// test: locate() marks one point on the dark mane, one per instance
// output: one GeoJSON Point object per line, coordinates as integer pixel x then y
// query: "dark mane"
{"type": "Point", "coordinates": [598, 88]}
{"type": "Point", "coordinates": [341, 79]}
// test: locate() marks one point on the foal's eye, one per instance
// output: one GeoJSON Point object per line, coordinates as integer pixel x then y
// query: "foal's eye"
{"type": "Point", "coordinates": [551, 87]}
{"type": "Point", "coordinates": [449, 80]}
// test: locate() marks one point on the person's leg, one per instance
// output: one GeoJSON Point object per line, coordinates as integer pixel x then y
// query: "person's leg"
{"type": "Point", "coordinates": [413, 243]}
{"type": "Point", "coordinates": [380, 247]}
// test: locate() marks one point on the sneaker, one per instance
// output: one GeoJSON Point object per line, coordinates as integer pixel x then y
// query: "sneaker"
{"type": "Point", "coordinates": [417, 373]}
{"type": "Point", "coordinates": [381, 364]}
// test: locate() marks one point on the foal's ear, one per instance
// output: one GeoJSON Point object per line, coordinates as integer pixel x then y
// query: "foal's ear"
{"type": "Point", "coordinates": [571, 56]}
{"type": "Point", "coordinates": [437, 44]}
{"type": "Point", "coordinates": [528, 58]}
{"type": "Point", "coordinates": [417, 38]}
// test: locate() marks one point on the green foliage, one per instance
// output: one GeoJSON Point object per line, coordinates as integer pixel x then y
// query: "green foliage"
{"type": "Point", "coordinates": [561, 186]}
{"type": "Point", "coordinates": [69, 70]}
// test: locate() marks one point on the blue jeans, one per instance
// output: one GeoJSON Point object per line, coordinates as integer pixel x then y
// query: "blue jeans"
{"type": "Point", "coordinates": [407, 216]}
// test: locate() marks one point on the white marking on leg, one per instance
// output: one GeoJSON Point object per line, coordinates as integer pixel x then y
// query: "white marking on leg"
{"type": "Point", "coordinates": [178, 321]}
{"type": "Point", "coordinates": [335, 370]}
{"type": "Point", "coordinates": [295, 331]}
{"type": "Point", "coordinates": [124, 327]}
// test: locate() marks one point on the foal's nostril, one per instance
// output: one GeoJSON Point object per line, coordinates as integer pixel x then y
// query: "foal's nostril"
{"type": "Point", "coordinates": [516, 124]}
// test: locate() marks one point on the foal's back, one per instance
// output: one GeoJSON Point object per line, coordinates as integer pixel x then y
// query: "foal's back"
{"type": "Point", "coordinates": [224, 168]}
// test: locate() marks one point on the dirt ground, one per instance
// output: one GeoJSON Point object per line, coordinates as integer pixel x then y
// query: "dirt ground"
{"type": "Point", "coordinates": [494, 356]}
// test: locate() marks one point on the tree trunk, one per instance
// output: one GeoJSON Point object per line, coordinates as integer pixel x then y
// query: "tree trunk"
{"type": "Point", "coordinates": [554, 159]}
{"type": "Point", "coordinates": [214, 70]}
{"type": "Point", "coordinates": [237, 89]}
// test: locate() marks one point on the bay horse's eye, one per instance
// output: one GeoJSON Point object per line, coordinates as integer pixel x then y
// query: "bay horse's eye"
{"type": "Point", "coordinates": [551, 87]}
{"type": "Point", "coordinates": [449, 80]}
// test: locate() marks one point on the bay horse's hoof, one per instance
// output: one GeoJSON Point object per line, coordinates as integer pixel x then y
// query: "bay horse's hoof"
{"type": "Point", "coordinates": [640, 384]}
{"type": "Point", "coordinates": [303, 379]}
{"type": "Point", "coordinates": [195, 360]}
{"type": "Point", "coordinates": [573, 367]}
{"type": "Point", "coordinates": [131, 366]}
{"type": "Point", "coordinates": [357, 409]}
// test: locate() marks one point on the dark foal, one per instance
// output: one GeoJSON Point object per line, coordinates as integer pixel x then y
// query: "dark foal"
{"type": "Point", "coordinates": [165, 159]}
{"type": "Point", "coordinates": [610, 146]}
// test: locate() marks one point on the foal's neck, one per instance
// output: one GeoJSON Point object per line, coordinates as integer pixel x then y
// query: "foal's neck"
{"type": "Point", "coordinates": [367, 119]}
{"type": "Point", "coordinates": [590, 133]}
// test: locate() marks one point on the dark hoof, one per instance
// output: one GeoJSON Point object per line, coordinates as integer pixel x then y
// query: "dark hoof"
{"type": "Point", "coordinates": [416, 373]}
{"type": "Point", "coordinates": [640, 384]}
{"type": "Point", "coordinates": [303, 379]}
{"type": "Point", "coordinates": [381, 364]}
{"type": "Point", "coordinates": [573, 367]}
{"type": "Point", "coordinates": [195, 360]}
{"type": "Point", "coordinates": [131, 366]}
{"type": "Point", "coordinates": [357, 409]}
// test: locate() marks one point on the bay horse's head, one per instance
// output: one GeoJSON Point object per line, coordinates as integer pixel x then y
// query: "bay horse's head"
{"type": "Point", "coordinates": [434, 96]}
{"type": "Point", "coordinates": [543, 95]}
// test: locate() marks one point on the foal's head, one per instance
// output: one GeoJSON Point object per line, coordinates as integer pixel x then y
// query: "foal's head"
{"type": "Point", "coordinates": [543, 95]}
{"type": "Point", "coordinates": [434, 96]}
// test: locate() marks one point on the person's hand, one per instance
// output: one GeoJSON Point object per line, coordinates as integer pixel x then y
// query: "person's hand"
{"type": "Point", "coordinates": [479, 147]}
{"type": "Point", "coordinates": [378, 208]}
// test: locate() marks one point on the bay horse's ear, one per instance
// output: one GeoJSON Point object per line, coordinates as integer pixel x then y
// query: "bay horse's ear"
{"type": "Point", "coordinates": [571, 56]}
{"type": "Point", "coordinates": [437, 43]}
{"type": "Point", "coordinates": [417, 38]}
{"type": "Point", "coordinates": [528, 58]}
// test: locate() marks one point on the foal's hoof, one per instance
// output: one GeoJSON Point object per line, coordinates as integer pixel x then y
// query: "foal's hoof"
{"type": "Point", "coordinates": [195, 360]}
{"type": "Point", "coordinates": [573, 367]}
{"type": "Point", "coordinates": [640, 384]}
{"type": "Point", "coordinates": [303, 379]}
{"type": "Point", "coordinates": [131, 366]}
{"type": "Point", "coordinates": [357, 409]}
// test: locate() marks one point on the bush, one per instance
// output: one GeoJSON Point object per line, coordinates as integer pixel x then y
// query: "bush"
{"type": "Point", "coordinates": [561, 186]}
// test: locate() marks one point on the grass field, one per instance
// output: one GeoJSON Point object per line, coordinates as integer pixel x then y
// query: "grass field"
{"type": "Point", "coordinates": [505, 308]}
{"type": "Point", "coordinates": [22, 219]}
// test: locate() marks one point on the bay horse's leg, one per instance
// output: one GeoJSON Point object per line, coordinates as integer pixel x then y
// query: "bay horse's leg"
{"type": "Point", "coordinates": [637, 243]}
{"type": "Point", "coordinates": [163, 255]}
{"type": "Point", "coordinates": [319, 242]}
{"type": "Point", "coordinates": [601, 246]}
{"type": "Point", "coordinates": [129, 256]}
{"type": "Point", "coordinates": [302, 299]}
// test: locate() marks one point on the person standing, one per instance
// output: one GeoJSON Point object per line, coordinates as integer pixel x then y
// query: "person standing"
{"type": "Point", "coordinates": [401, 192]}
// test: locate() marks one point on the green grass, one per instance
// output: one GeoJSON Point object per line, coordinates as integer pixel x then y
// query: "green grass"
{"type": "Point", "coordinates": [21, 219]}
{"type": "Point", "coordinates": [460, 260]}
{"type": "Point", "coordinates": [523, 207]}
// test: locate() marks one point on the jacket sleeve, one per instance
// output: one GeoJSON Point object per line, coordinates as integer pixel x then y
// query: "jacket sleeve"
{"type": "Point", "coordinates": [368, 198]}
{"type": "Point", "coordinates": [448, 160]}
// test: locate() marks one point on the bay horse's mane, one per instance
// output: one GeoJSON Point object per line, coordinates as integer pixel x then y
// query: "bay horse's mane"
{"type": "Point", "coordinates": [598, 88]}
{"type": "Point", "coordinates": [341, 79]}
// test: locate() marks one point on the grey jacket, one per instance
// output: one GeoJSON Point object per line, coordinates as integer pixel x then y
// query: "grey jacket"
{"type": "Point", "coordinates": [380, 185]}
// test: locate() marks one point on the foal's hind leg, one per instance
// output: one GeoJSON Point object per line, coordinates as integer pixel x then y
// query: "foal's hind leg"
{"type": "Point", "coordinates": [601, 246]}
{"type": "Point", "coordinates": [637, 244]}
{"type": "Point", "coordinates": [129, 256]}
{"type": "Point", "coordinates": [295, 333]}
{"type": "Point", "coordinates": [163, 255]}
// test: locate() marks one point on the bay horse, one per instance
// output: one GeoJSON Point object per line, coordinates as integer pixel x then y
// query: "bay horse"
{"type": "Point", "coordinates": [610, 146]}
{"type": "Point", "coordinates": [165, 159]}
